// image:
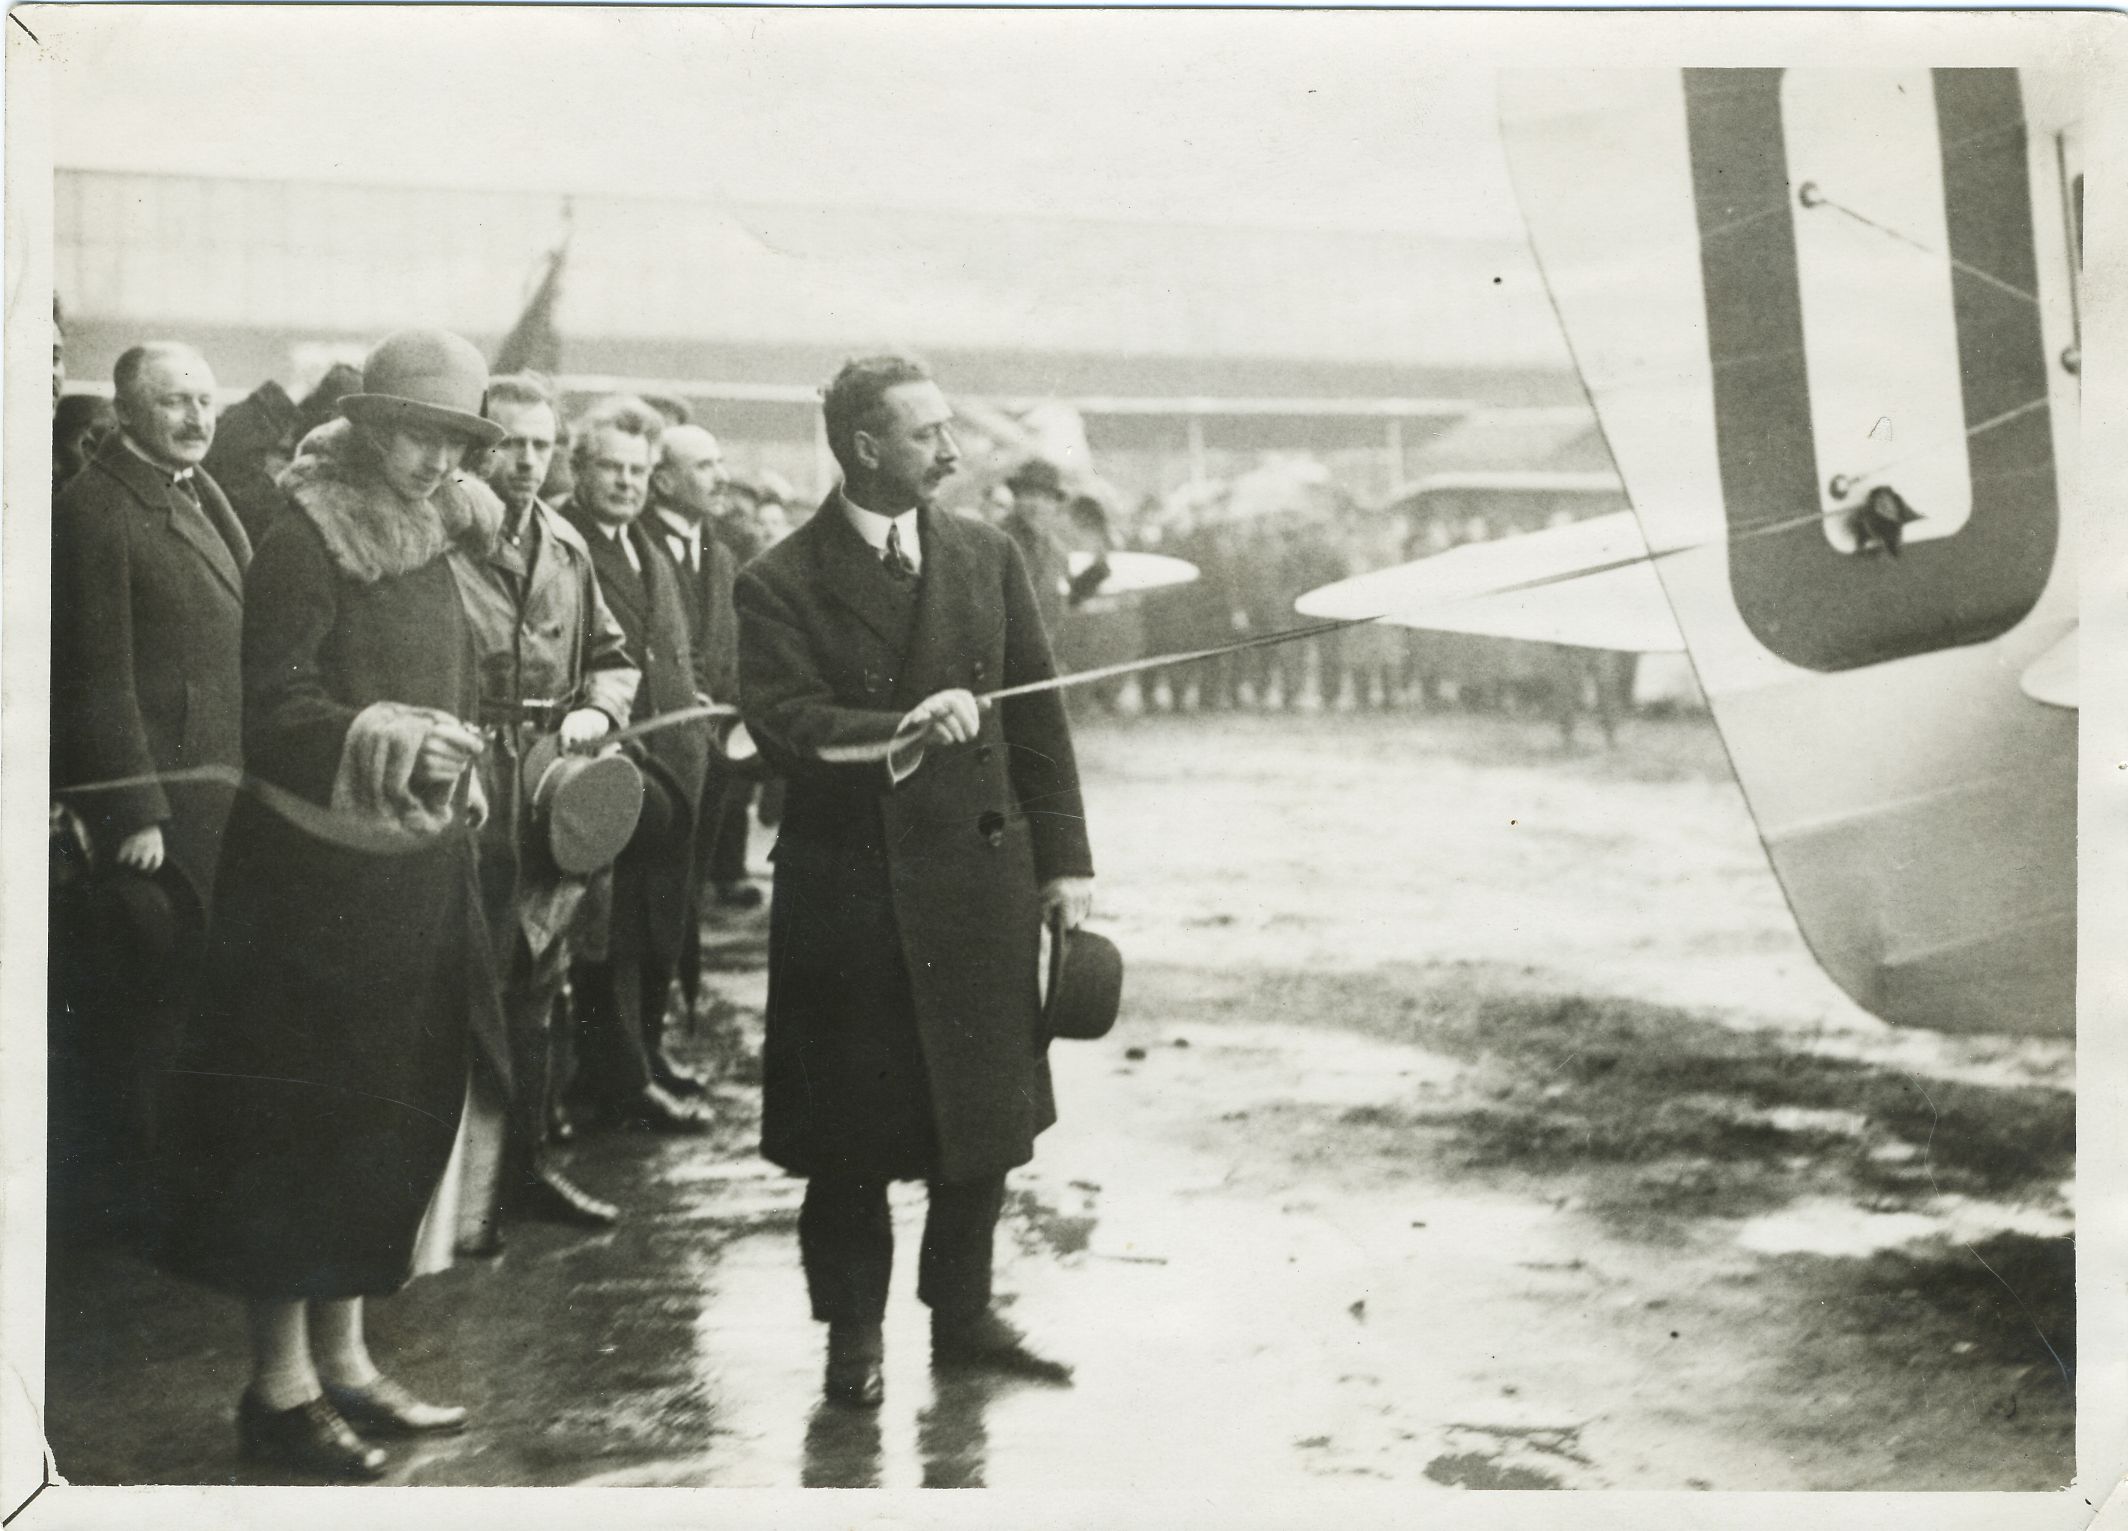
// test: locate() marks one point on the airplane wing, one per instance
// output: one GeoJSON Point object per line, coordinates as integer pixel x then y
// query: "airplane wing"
{"type": "Point", "coordinates": [1130, 572]}
{"type": "Point", "coordinates": [2051, 678]}
{"type": "Point", "coordinates": [1786, 290]}
{"type": "Point", "coordinates": [1525, 587]}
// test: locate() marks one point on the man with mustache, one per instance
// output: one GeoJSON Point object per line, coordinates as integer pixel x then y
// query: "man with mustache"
{"type": "Point", "coordinates": [625, 973]}
{"type": "Point", "coordinates": [685, 491]}
{"type": "Point", "coordinates": [552, 660]}
{"type": "Point", "coordinates": [147, 615]}
{"type": "Point", "coordinates": [904, 1036]}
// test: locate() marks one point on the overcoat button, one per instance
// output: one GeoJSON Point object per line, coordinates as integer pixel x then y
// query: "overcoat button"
{"type": "Point", "coordinates": [983, 752]}
{"type": "Point", "coordinates": [992, 827]}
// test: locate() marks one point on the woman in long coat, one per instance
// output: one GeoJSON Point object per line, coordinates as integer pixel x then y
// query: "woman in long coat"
{"type": "Point", "coordinates": [324, 1075]}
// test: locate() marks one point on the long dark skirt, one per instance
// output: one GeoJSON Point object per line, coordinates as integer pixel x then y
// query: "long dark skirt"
{"type": "Point", "coordinates": [320, 1088]}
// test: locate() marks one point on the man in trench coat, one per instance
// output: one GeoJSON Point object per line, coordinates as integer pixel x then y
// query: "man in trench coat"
{"type": "Point", "coordinates": [904, 1034]}
{"type": "Point", "coordinates": [552, 657]}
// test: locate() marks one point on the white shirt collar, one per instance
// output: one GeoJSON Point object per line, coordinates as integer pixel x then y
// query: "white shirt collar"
{"type": "Point", "coordinates": [174, 475]}
{"type": "Point", "coordinates": [614, 533]}
{"type": "Point", "coordinates": [872, 526]}
{"type": "Point", "coordinates": [687, 531]}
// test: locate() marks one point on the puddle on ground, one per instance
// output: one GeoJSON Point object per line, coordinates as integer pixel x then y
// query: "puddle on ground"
{"type": "Point", "coordinates": [1850, 1124]}
{"type": "Point", "coordinates": [1826, 1227]}
{"type": "Point", "coordinates": [1301, 1066]}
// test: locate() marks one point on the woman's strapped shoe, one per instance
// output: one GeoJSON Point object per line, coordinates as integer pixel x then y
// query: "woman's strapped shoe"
{"type": "Point", "coordinates": [383, 1407]}
{"type": "Point", "coordinates": [310, 1438]}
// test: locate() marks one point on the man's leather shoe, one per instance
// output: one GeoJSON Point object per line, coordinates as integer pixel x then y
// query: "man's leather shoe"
{"type": "Point", "coordinates": [987, 1342]}
{"type": "Point", "coordinates": [657, 1111]}
{"type": "Point", "coordinates": [311, 1438]}
{"type": "Point", "coordinates": [739, 895]}
{"type": "Point", "coordinates": [854, 1379]}
{"type": "Point", "coordinates": [383, 1407]}
{"type": "Point", "coordinates": [548, 1196]}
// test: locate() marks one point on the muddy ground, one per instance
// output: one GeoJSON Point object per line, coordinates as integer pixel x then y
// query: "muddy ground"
{"type": "Point", "coordinates": [1477, 1119]}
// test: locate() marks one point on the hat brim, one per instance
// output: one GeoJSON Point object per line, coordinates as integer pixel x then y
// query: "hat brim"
{"type": "Point", "coordinates": [385, 408]}
{"type": "Point", "coordinates": [1085, 989]}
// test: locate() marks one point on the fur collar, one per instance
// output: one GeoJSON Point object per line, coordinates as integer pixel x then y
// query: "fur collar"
{"type": "Point", "coordinates": [372, 534]}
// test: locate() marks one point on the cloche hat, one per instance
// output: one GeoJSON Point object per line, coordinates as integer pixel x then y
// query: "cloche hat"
{"type": "Point", "coordinates": [428, 375]}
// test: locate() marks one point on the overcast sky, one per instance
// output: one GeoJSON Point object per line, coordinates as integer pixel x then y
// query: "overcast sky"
{"type": "Point", "coordinates": [1328, 120]}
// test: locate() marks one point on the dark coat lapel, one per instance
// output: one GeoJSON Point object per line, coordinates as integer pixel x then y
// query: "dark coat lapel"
{"type": "Point", "coordinates": [948, 609]}
{"type": "Point", "coordinates": [234, 543]}
{"type": "Point", "coordinates": [622, 586]}
{"type": "Point", "coordinates": [850, 572]}
{"type": "Point", "coordinates": [155, 494]}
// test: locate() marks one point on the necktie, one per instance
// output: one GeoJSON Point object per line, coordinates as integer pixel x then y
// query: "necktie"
{"type": "Point", "coordinates": [894, 558]}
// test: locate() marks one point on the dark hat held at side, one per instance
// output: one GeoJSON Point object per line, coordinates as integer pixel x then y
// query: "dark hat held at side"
{"type": "Point", "coordinates": [1085, 989]}
{"type": "Point", "coordinates": [430, 376]}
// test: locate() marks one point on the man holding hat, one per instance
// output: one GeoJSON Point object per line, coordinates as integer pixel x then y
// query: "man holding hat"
{"type": "Point", "coordinates": [622, 985]}
{"type": "Point", "coordinates": [553, 662]}
{"type": "Point", "coordinates": [904, 1037]}
{"type": "Point", "coordinates": [147, 612]}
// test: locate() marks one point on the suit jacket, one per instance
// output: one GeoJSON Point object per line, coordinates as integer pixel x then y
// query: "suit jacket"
{"type": "Point", "coordinates": [706, 593]}
{"type": "Point", "coordinates": [653, 875]}
{"type": "Point", "coordinates": [906, 917]}
{"type": "Point", "coordinates": [147, 628]}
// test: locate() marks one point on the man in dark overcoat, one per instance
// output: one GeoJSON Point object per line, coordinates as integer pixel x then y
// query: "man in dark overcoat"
{"type": "Point", "coordinates": [904, 1034]}
{"type": "Point", "coordinates": [147, 620]}
{"type": "Point", "coordinates": [621, 991]}
{"type": "Point", "coordinates": [735, 525]}
{"type": "Point", "coordinates": [684, 490]}
{"type": "Point", "coordinates": [254, 442]}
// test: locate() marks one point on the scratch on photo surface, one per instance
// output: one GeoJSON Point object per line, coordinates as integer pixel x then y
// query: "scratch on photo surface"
{"type": "Point", "coordinates": [48, 1466]}
{"type": "Point", "coordinates": [1928, 1164]}
{"type": "Point", "coordinates": [311, 1084]}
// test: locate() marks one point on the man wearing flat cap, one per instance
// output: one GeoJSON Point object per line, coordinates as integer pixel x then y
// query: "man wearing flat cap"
{"type": "Point", "coordinates": [904, 1039]}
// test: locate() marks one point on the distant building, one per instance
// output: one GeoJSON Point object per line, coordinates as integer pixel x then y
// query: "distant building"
{"type": "Point", "coordinates": [1187, 349]}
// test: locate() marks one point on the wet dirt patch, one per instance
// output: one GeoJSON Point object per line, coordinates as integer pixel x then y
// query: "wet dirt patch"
{"type": "Point", "coordinates": [1653, 1111]}
{"type": "Point", "coordinates": [1509, 1456]}
{"type": "Point", "coordinates": [1960, 1356]}
{"type": "Point", "coordinates": [2014, 1295]}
